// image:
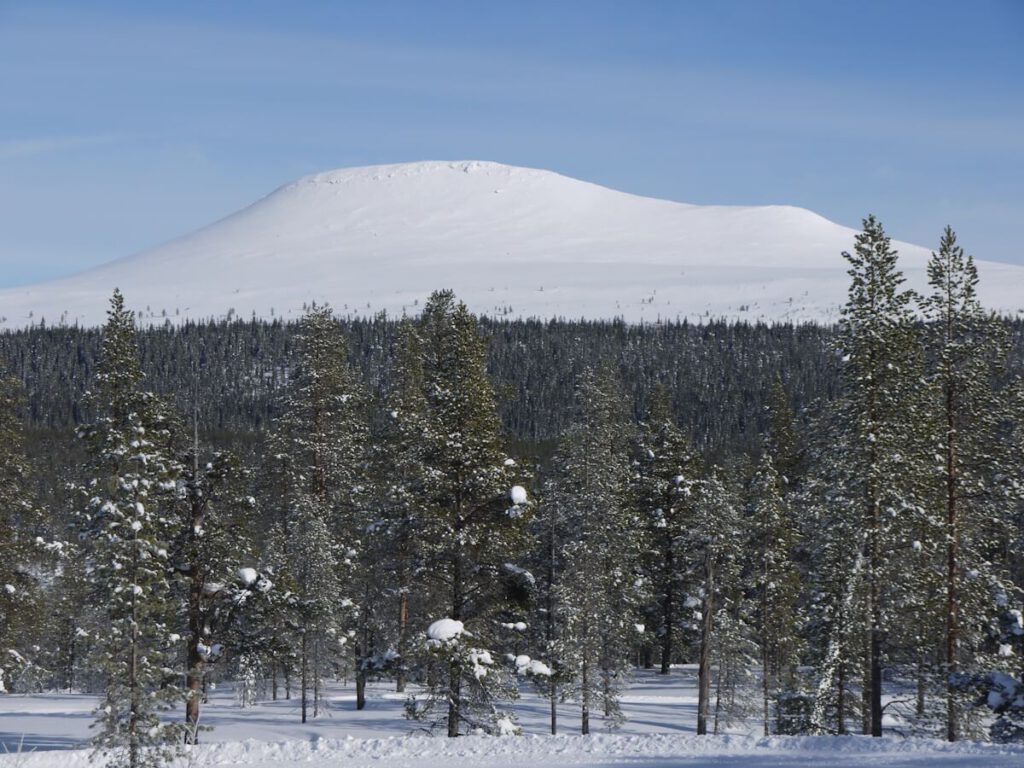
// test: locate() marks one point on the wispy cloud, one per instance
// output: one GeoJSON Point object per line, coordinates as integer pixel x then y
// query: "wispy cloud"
{"type": "Point", "coordinates": [13, 149]}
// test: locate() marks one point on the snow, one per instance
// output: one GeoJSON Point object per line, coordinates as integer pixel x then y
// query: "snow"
{"type": "Point", "coordinates": [444, 630]}
{"type": "Point", "coordinates": [526, 666]}
{"type": "Point", "coordinates": [518, 495]}
{"type": "Point", "coordinates": [659, 733]}
{"type": "Point", "coordinates": [383, 237]}
{"type": "Point", "coordinates": [247, 576]}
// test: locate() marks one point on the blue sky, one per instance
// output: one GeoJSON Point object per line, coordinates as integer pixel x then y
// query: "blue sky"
{"type": "Point", "coordinates": [125, 124]}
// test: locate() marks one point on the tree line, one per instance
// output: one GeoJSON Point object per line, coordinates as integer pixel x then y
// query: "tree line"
{"type": "Point", "coordinates": [383, 519]}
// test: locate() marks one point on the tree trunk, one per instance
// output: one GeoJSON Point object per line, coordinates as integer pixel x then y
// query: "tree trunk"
{"type": "Point", "coordinates": [718, 697]}
{"type": "Point", "coordinates": [454, 672]}
{"type": "Point", "coordinates": [876, 680]}
{"type": "Point", "coordinates": [403, 626]}
{"type": "Point", "coordinates": [360, 689]}
{"type": "Point", "coordinates": [316, 678]}
{"type": "Point", "coordinates": [195, 661]}
{"type": "Point", "coordinates": [454, 692]}
{"type": "Point", "coordinates": [554, 709]}
{"type": "Point", "coordinates": [922, 673]}
{"type": "Point", "coordinates": [704, 662]}
{"type": "Point", "coordinates": [765, 687]}
{"type": "Point", "coordinates": [952, 545]}
{"type": "Point", "coordinates": [305, 674]}
{"type": "Point", "coordinates": [668, 614]}
{"type": "Point", "coordinates": [584, 699]}
{"type": "Point", "coordinates": [841, 699]}
{"type": "Point", "coordinates": [133, 690]}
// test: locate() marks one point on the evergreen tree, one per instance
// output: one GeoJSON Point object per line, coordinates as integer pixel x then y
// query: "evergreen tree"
{"type": "Point", "coordinates": [127, 521]}
{"type": "Point", "coordinates": [668, 473]}
{"type": "Point", "coordinates": [778, 584]}
{"type": "Point", "coordinates": [394, 564]}
{"type": "Point", "coordinates": [713, 572]}
{"type": "Point", "coordinates": [596, 598]}
{"type": "Point", "coordinates": [20, 595]}
{"type": "Point", "coordinates": [967, 352]}
{"type": "Point", "coordinates": [210, 553]}
{"type": "Point", "coordinates": [882, 374]}
{"type": "Point", "coordinates": [318, 451]}
{"type": "Point", "coordinates": [470, 526]}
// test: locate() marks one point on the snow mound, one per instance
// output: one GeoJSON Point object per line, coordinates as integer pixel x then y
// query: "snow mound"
{"type": "Point", "coordinates": [444, 630]}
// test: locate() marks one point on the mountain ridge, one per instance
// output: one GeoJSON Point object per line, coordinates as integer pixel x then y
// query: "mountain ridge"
{"type": "Point", "coordinates": [510, 241]}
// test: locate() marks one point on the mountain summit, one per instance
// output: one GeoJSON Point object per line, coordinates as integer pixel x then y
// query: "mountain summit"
{"type": "Point", "coordinates": [509, 241]}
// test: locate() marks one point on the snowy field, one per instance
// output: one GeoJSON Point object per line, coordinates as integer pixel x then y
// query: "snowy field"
{"type": "Point", "coordinates": [41, 731]}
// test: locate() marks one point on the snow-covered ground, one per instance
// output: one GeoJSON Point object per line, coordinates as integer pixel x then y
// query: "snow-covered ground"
{"type": "Point", "coordinates": [659, 734]}
{"type": "Point", "coordinates": [518, 242]}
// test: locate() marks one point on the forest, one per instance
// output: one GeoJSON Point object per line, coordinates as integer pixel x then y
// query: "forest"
{"type": "Point", "coordinates": [823, 519]}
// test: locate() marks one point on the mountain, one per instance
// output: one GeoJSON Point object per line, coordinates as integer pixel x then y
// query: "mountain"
{"type": "Point", "coordinates": [509, 241]}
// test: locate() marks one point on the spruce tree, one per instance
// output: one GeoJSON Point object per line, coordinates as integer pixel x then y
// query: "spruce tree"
{"type": "Point", "coordinates": [127, 521]}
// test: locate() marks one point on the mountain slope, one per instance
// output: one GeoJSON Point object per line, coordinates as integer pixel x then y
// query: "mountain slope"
{"type": "Point", "coordinates": [508, 240]}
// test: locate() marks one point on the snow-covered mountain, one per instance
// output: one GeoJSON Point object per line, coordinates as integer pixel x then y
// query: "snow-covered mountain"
{"type": "Point", "coordinates": [510, 241]}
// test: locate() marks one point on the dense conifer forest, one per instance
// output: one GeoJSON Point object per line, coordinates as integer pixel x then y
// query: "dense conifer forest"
{"type": "Point", "coordinates": [817, 517]}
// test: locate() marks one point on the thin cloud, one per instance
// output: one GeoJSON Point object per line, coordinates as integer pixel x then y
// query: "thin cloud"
{"type": "Point", "coordinates": [13, 149]}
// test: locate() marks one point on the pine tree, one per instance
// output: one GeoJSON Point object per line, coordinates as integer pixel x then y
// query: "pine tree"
{"type": "Point", "coordinates": [470, 525]}
{"type": "Point", "coordinates": [881, 372]}
{"type": "Point", "coordinates": [668, 472]}
{"type": "Point", "coordinates": [778, 584]}
{"type": "Point", "coordinates": [20, 596]}
{"type": "Point", "coordinates": [596, 596]}
{"type": "Point", "coordinates": [318, 450]}
{"type": "Point", "coordinates": [395, 552]}
{"type": "Point", "coordinates": [212, 544]}
{"type": "Point", "coordinates": [967, 352]}
{"type": "Point", "coordinates": [712, 572]}
{"type": "Point", "coordinates": [127, 521]}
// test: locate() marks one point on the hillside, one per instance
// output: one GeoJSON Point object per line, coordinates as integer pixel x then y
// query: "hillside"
{"type": "Point", "coordinates": [510, 241]}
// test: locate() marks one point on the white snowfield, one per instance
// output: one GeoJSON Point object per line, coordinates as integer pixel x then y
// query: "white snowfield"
{"type": "Point", "coordinates": [659, 733]}
{"type": "Point", "coordinates": [514, 242]}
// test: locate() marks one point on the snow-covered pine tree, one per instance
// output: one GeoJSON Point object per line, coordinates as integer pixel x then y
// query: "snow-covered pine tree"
{"type": "Point", "coordinates": [667, 473]}
{"type": "Point", "coordinates": [550, 532]}
{"type": "Point", "coordinates": [393, 562]}
{"type": "Point", "coordinates": [712, 572]}
{"type": "Point", "coordinates": [318, 449]}
{"type": "Point", "coordinates": [830, 526]}
{"type": "Point", "coordinates": [597, 595]}
{"type": "Point", "coordinates": [19, 516]}
{"type": "Point", "coordinates": [967, 352]}
{"type": "Point", "coordinates": [127, 520]}
{"type": "Point", "coordinates": [470, 526]}
{"type": "Point", "coordinates": [211, 546]}
{"type": "Point", "coordinates": [881, 375]}
{"type": "Point", "coordinates": [778, 584]}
